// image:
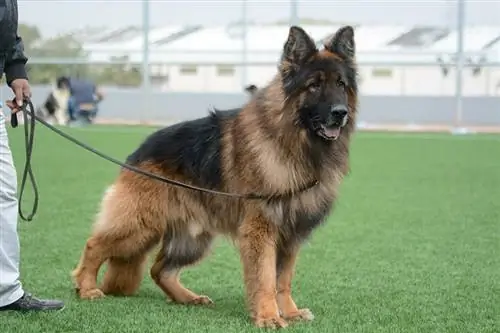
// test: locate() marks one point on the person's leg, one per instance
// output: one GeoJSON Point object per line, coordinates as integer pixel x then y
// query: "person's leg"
{"type": "Point", "coordinates": [12, 295]}
{"type": "Point", "coordinates": [94, 113]}
{"type": "Point", "coordinates": [71, 109]}
{"type": "Point", "coordinates": [10, 286]}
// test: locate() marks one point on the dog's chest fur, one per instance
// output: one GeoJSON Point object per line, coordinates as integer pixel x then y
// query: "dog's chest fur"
{"type": "Point", "coordinates": [297, 217]}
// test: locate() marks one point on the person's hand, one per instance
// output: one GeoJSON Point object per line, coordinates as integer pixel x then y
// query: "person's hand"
{"type": "Point", "coordinates": [22, 90]}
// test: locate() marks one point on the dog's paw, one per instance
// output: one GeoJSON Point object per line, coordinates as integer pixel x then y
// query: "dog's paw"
{"type": "Point", "coordinates": [91, 294]}
{"type": "Point", "coordinates": [270, 322]}
{"type": "Point", "coordinates": [299, 315]}
{"type": "Point", "coordinates": [201, 300]}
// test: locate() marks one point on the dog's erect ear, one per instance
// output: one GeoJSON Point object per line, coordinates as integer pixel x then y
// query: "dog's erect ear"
{"type": "Point", "coordinates": [342, 43]}
{"type": "Point", "coordinates": [299, 47]}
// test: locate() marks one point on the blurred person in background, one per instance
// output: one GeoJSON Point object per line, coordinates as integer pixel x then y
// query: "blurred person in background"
{"type": "Point", "coordinates": [84, 100]}
{"type": "Point", "coordinates": [12, 64]}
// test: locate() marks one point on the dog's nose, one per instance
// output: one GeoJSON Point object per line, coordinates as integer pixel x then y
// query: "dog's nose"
{"type": "Point", "coordinates": [339, 110]}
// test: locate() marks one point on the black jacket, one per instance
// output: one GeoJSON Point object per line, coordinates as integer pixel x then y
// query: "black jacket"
{"type": "Point", "coordinates": [12, 57]}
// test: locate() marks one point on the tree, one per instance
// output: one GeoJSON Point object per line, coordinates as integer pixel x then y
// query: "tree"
{"type": "Point", "coordinates": [63, 47]}
{"type": "Point", "coordinates": [30, 34]}
{"type": "Point", "coordinates": [36, 47]}
{"type": "Point", "coordinates": [119, 71]}
{"type": "Point", "coordinates": [67, 47]}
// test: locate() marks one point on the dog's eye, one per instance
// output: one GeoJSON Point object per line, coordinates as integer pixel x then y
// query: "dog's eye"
{"type": "Point", "coordinates": [340, 83]}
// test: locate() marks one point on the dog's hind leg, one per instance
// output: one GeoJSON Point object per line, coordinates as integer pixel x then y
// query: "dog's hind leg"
{"type": "Point", "coordinates": [85, 275]}
{"type": "Point", "coordinates": [126, 254]}
{"type": "Point", "coordinates": [180, 249]}
{"type": "Point", "coordinates": [123, 235]}
{"type": "Point", "coordinates": [123, 275]}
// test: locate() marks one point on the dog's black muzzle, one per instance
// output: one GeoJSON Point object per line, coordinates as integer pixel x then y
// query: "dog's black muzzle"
{"type": "Point", "coordinates": [337, 116]}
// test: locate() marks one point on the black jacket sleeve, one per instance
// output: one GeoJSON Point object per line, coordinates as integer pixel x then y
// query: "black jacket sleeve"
{"type": "Point", "coordinates": [15, 62]}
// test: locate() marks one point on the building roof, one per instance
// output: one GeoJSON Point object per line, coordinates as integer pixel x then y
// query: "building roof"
{"type": "Point", "coordinates": [475, 38]}
{"type": "Point", "coordinates": [374, 43]}
{"type": "Point", "coordinates": [373, 38]}
{"type": "Point", "coordinates": [88, 34]}
{"type": "Point", "coordinates": [272, 38]}
{"type": "Point", "coordinates": [419, 37]}
{"type": "Point", "coordinates": [120, 35]}
{"type": "Point", "coordinates": [132, 45]}
{"type": "Point", "coordinates": [264, 43]}
{"type": "Point", "coordinates": [162, 37]}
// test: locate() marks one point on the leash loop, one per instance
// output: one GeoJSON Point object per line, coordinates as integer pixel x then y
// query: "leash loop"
{"type": "Point", "coordinates": [29, 133]}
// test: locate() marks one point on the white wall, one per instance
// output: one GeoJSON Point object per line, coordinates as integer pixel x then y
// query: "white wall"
{"type": "Point", "coordinates": [207, 79]}
{"type": "Point", "coordinates": [179, 81]}
{"type": "Point", "coordinates": [379, 85]}
{"type": "Point", "coordinates": [430, 81]}
{"type": "Point", "coordinates": [422, 81]}
{"type": "Point", "coordinates": [260, 75]}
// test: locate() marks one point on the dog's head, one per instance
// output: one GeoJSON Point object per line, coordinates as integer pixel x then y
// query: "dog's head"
{"type": "Point", "coordinates": [320, 85]}
{"type": "Point", "coordinates": [63, 83]}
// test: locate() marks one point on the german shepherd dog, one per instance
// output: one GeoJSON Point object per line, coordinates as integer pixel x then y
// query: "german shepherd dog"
{"type": "Point", "coordinates": [294, 131]}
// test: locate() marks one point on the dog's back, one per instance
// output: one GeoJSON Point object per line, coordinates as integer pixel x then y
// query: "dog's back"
{"type": "Point", "coordinates": [191, 149]}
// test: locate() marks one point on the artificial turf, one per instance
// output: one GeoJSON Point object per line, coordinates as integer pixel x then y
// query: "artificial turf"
{"type": "Point", "coordinates": [413, 245]}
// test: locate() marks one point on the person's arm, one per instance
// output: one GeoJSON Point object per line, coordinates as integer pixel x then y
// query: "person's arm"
{"type": "Point", "coordinates": [15, 62]}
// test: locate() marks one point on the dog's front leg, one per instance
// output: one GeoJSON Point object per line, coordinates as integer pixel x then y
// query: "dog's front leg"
{"type": "Point", "coordinates": [257, 241]}
{"type": "Point", "coordinates": [286, 260]}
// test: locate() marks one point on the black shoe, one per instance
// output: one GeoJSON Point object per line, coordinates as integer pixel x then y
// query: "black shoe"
{"type": "Point", "coordinates": [30, 303]}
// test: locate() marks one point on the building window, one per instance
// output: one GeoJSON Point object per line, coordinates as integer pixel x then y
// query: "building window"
{"type": "Point", "coordinates": [382, 72]}
{"type": "Point", "coordinates": [188, 70]}
{"type": "Point", "coordinates": [225, 70]}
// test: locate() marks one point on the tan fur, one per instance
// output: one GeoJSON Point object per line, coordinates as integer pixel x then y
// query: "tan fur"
{"type": "Point", "coordinates": [137, 212]}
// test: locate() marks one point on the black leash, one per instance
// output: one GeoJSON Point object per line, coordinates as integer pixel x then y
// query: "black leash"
{"type": "Point", "coordinates": [29, 133]}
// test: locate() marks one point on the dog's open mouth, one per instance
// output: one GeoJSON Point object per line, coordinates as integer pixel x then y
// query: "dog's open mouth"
{"type": "Point", "coordinates": [329, 133]}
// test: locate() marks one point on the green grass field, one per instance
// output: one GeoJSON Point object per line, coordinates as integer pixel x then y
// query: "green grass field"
{"type": "Point", "coordinates": [413, 246]}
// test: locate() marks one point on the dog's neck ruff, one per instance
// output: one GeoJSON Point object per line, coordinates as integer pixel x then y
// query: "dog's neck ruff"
{"type": "Point", "coordinates": [286, 195]}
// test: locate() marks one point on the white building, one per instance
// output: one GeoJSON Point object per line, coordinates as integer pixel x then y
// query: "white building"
{"type": "Point", "coordinates": [436, 46]}
{"type": "Point", "coordinates": [211, 59]}
{"type": "Point", "coordinates": [128, 42]}
{"type": "Point", "coordinates": [393, 60]}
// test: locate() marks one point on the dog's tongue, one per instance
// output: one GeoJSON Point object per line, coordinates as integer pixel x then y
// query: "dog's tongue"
{"type": "Point", "coordinates": [332, 132]}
